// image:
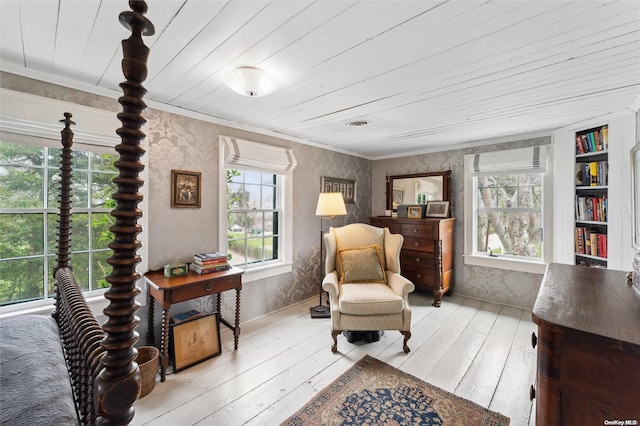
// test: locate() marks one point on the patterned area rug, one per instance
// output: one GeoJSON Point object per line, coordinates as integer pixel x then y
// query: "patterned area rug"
{"type": "Point", "coordinates": [375, 393]}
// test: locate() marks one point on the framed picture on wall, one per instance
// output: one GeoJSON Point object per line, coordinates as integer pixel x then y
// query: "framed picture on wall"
{"type": "Point", "coordinates": [345, 186]}
{"type": "Point", "coordinates": [185, 189]}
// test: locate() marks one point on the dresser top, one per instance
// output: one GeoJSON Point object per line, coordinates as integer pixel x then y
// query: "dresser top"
{"type": "Point", "coordinates": [591, 300]}
{"type": "Point", "coordinates": [415, 220]}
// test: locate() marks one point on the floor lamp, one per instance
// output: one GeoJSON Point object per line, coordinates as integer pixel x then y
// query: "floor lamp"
{"type": "Point", "coordinates": [330, 205]}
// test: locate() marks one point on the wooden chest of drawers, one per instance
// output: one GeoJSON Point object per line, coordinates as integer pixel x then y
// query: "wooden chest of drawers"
{"type": "Point", "coordinates": [427, 252]}
{"type": "Point", "coordinates": [588, 347]}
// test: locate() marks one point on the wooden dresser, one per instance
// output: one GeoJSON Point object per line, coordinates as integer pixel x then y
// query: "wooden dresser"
{"type": "Point", "coordinates": [427, 252]}
{"type": "Point", "coordinates": [588, 347]}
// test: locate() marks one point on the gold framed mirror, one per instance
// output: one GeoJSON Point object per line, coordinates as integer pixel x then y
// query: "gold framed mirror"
{"type": "Point", "coordinates": [418, 188]}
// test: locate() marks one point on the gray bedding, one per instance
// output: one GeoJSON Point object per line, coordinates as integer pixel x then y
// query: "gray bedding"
{"type": "Point", "coordinates": [34, 383]}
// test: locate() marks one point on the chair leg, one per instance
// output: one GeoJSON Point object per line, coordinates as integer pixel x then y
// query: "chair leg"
{"type": "Point", "coordinates": [334, 334]}
{"type": "Point", "coordinates": [407, 336]}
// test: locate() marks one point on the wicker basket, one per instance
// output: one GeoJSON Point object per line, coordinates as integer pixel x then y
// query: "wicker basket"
{"type": "Point", "coordinates": [147, 360]}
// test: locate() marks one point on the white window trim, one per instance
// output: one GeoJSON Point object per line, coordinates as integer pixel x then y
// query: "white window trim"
{"type": "Point", "coordinates": [28, 114]}
{"type": "Point", "coordinates": [284, 264]}
{"type": "Point", "coordinates": [507, 262]}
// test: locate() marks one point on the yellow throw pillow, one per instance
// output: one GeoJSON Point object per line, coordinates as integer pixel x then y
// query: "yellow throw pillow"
{"type": "Point", "coordinates": [361, 265]}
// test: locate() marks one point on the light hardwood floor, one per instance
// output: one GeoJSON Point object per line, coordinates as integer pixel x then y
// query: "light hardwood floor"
{"type": "Point", "coordinates": [478, 350]}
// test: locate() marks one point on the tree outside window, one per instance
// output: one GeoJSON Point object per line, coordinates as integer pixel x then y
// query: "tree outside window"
{"type": "Point", "coordinates": [29, 190]}
{"type": "Point", "coordinates": [509, 214]}
{"type": "Point", "coordinates": [252, 217]}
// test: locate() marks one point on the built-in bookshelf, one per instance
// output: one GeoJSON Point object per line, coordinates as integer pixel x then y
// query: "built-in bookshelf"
{"type": "Point", "coordinates": [592, 196]}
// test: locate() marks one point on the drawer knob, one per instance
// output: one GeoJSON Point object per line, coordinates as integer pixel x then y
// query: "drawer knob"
{"type": "Point", "coordinates": [415, 230]}
{"type": "Point", "coordinates": [534, 339]}
{"type": "Point", "coordinates": [419, 275]}
{"type": "Point", "coordinates": [208, 286]}
{"type": "Point", "coordinates": [532, 393]}
{"type": "Point", "coordinates": [417, 244]}
{"type": "Point", "coordinates": [417, 260]}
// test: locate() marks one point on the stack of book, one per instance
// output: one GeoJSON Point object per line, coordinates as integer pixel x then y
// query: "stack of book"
{"type": "Point", "coordinates": [205, 263]}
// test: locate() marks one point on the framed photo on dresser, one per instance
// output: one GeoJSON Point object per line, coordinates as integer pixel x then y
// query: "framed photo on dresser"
{"type": "Point", "coordinates": [437, 209]}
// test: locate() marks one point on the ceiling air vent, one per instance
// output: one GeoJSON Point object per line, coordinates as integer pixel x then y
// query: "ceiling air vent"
{"type": "Point", "coordinates": [358, 123]}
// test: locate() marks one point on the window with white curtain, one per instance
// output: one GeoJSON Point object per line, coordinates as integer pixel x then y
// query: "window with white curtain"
{"type": "Point", "coordinates": [256, 213]}
{"type": "Point", "coordinates": [508, 212]}
{"type": "Point", "coordinates": [30, 145]}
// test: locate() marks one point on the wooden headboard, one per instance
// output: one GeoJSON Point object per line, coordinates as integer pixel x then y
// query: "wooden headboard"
{"type": "Point", "coordinates": [101, 358]}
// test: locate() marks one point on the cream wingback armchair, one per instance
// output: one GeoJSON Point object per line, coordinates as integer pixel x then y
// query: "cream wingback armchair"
{"type": "Point", "coordinates": [366, 290]}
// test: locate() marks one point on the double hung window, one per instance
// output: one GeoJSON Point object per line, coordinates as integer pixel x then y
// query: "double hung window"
{"type": "Point", "coordinates": [256, 216]}
{"type": "Point", "coordinates": [29, 190]}
{"type": "Point", "coordinates": [507, 206]}
{"type": "Point", "coordinates": [253, 216]}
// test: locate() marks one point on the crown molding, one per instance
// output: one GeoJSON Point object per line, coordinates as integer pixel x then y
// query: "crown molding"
{"type": "Point", "coordinates": [114, 94]}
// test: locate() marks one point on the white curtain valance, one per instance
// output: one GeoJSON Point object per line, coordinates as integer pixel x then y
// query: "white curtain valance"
{"type": "Point", "coordinates": [522, 160]}
{"type": "Point", "coordinates": [257, 156]}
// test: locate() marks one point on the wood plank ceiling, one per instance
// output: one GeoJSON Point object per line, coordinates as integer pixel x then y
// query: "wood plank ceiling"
{"type": "Point", "coordinates": [424, 74]}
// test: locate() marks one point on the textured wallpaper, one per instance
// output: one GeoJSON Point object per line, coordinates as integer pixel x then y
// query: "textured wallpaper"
{"type": "Point", "coordinates": [178, 142]}
{"type": "Point", "coordinates": [498, 285]}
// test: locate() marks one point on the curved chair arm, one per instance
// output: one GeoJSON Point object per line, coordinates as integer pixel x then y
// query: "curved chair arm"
{"type": "Point", "coordinates": [331, 250]}
{"type": "Point", "coordinates": [399, 284]}
{"type": "Point", "coordinates": [330, 285]}
{"type": "Point", "coordinates": [392, 246]}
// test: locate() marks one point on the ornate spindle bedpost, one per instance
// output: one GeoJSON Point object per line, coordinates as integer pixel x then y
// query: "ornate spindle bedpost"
{"type": "Point", "coordinates": [62, 256]}
{"type": "Point", "coordinates": [115, 396]}
{"type": "Point", "coordinates": [64, 218]}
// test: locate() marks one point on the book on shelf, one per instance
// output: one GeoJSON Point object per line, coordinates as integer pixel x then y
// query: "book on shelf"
{"type": "Point", "coordinates": [185, 316]}
{"type": "Point", "coordinates": [593, 140]}
{"type": "Point", "coordinates": [593, 209]}
{"type": "Point", "coordinates": [593, 173]}
{"type": "Point", "coordinates": [590, 242]}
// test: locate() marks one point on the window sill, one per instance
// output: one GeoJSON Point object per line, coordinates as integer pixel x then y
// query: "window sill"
{"type": "Point", "coordinates": [267, 271]}
{"type": "Point", "coordinates": [503, 262]}
{"type": "Point", "coordinates": [96, 303]}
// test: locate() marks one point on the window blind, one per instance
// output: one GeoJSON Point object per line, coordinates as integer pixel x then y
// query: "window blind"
{"type": "Point", "coordinates": [521, 160]}
{"type": "Point", "coordinates": [257, 156]}
{"type": "Point", "coordinates": [35, 120]}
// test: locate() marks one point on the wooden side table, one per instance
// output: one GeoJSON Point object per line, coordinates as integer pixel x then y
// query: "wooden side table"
{"type": "Point", "coordinates": [191, 286]}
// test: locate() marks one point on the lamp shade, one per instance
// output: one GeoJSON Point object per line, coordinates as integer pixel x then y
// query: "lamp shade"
{"type": "Point", "coordinates": [250, 81]}
{"type": "Point", "coordinates": [331, 204]}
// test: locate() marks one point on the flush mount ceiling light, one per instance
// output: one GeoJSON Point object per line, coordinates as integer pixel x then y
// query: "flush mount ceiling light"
{"type": "Point", "coordinates": [358, 123]}
{"type": "Point", "coordinates": [250, 81]}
